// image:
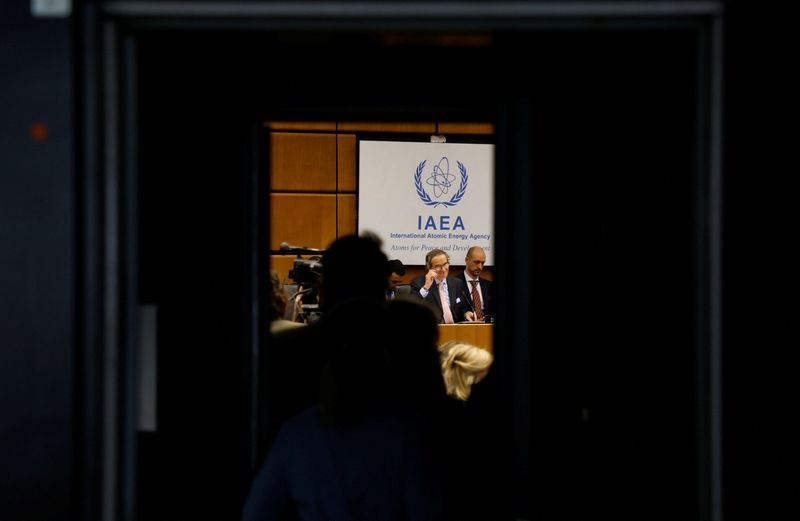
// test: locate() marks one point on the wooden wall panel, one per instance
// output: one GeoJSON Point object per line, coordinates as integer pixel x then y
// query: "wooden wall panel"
{"type": "Point", "coordinates": [347, 211]}
{"type": "Point", "coordinates": [375, 126]}
{"type": "Point", "coordinates": [302, 220]}
{"type": "Point", "coordinates": [303, 162]}
{"type": "Point", "coordinates": [346, 162]}
{"type": "Point", "coordinates": [466, 128]}
{"type": "Point", "coordinates": [302, 125]}
{"type": "Point", "coordinates": [282, 264]}
{"type": "Point", "coordinates": [479, 335]}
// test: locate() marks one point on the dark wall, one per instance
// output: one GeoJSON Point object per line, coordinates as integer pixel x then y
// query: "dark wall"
{"type": "Point", "coordinates": [613, 193]}
{"type": "Point", "coordinates": [760, 226]}
{"type": "Point", "coordinates": [37, 268]}
{"type": "Point", "coordinates": [193, 217]}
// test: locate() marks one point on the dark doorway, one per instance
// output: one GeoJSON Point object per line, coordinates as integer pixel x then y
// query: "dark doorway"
{"type": "Point", "coordinates": [610, 122]}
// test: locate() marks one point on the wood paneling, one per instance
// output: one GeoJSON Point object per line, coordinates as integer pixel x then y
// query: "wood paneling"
{"type": "Point", "coordinates": [479, 335]}
{"type": "Point", "coordinates": [372, 126]}
{"type": "Point", "coordinates": [466, 128]}
{"type": "Point", "coordinates": [302, 220]}
{"type": "Point", "coordinates": [282, 264]}
{"type": "Point", "coordinates": [303, 162]}
{"type": "Point", "coordinates": [302, 125]}
{"type": "Point", "coordinates": [347, 214]}
{"type": "Point", "coordinates": [346, 162]}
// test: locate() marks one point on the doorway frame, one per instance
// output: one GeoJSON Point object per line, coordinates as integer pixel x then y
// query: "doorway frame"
{"type": "Point", "coordinates": [108, 328]}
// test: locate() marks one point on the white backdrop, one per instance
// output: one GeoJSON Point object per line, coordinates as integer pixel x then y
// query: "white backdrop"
{"type": "Point", "coordinates": [420, 196]}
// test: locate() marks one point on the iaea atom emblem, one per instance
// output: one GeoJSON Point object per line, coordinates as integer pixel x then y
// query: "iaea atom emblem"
{"type": "Point", "coordinates": [441, 180]}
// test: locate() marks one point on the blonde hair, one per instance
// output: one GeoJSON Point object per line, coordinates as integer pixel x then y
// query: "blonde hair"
{"type": "Point", "coordinates": [461, 364]}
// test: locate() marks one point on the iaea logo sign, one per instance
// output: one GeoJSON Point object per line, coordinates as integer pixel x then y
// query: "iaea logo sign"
{"type": "Point", "coordinates": [441, 182]}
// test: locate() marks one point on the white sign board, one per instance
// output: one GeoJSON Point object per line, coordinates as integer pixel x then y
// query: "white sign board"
{"type": "Point", "coordinates": [421, 196]}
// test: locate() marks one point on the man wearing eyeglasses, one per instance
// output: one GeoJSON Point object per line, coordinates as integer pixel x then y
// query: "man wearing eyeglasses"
{"type": "Point", "coordinates": [445, 295]}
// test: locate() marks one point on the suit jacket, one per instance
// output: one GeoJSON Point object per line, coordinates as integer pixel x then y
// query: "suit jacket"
{"type": "Point", "coordinates": [456, 291]}
{"type": "Point", "coordinates": [487, 292]}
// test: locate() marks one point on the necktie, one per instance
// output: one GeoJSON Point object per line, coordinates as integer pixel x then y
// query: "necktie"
{"type": "Point", "coordinates": [476, 300]}
{"type": "Point", "coordinates": [448, 315]}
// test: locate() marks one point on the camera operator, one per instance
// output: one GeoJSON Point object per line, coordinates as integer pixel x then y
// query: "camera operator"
{"type": "Point", "coordinates": [307, 275]}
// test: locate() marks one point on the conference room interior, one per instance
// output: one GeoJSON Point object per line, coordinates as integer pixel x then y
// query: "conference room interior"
{"type": "Point", "coordinates": [601, 194]}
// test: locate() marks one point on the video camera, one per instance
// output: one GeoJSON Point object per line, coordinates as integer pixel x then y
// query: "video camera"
{"type": "Point", "coordinates": [307, 273]}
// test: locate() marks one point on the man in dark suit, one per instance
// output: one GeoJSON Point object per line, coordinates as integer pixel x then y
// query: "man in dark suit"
{"type": "Point", "coordinates": [480, 290]}
{"type": "Point", "coordinates": [436, 288]}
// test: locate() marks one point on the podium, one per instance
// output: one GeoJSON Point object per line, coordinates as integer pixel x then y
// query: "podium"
{"type": "Point", "coordinates": [479, 335]}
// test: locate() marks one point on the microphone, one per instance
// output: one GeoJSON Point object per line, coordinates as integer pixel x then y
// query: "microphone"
{"type": "Point", "coordinates": [300, 250]}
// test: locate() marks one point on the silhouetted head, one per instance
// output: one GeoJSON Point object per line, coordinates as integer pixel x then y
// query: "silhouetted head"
{"type": "Point", "coordinates": [353, 267]}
